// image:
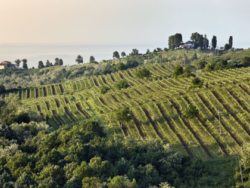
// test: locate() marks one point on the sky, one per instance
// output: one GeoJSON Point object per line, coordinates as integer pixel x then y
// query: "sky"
{"type": "Point", "coordinates": [122, 22]}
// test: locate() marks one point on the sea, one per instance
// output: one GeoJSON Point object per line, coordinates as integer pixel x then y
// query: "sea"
{"type": "Point", "coordinates": [67, 52]}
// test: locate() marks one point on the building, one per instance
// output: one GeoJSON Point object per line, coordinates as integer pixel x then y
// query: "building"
{"type": "Point", "coordinates": [7, 65]}
{"type": "Point", "coordinates": [188, 44]}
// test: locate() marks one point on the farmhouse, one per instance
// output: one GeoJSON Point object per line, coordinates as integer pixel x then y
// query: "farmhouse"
{"type": "Point", "coordinates": [7, 65]}
{"type": "Point", "coordinates": [188, 44]}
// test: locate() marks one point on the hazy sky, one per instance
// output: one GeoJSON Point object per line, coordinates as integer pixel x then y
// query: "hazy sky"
{"type": "Point", "coordinates": [118, 22]}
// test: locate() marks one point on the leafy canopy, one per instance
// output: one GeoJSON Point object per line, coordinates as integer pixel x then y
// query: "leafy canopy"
{"type": "Point", "coordinates": [143, 72]}
{"type": "Point", "coordinates": [121, 84]}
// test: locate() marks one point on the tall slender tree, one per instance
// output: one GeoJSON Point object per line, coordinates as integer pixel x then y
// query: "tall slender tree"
{"type": "Point", "coordinates": [47, 63]}
{"type": "Point", "coordinates": [214, 42]}
{"type": "Point", "coordinates": [60, 62]}
{"type": "Point", "coordinates": [40, 64]}
{"type": "Point", "coordinates": [230, 42]}
{"type": "Point", "coordinates": [25, 66]}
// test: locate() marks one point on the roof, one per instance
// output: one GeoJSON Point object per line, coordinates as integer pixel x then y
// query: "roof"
{"type": "Point", "coordinates": [6, 63]}
{"type": "Point", "coordinates": [189, 42]}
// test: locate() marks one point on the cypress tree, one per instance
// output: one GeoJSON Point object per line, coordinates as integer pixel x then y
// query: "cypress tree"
{"type": "Point", "coordinates": [214, 42]}
{"type": "Point", "coordinates": [230, 41]}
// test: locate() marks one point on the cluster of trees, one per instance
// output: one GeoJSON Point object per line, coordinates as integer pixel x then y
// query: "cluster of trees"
{"type": "Point", "coordinates": [174, 41]}
{"type": "Point", "coordinates": [199, 40]}
{"type": "Point", "coordinates": [179, 72]}
{"type": "Point", "coordinates": [49, 64]}
{"type": "Point", "coordinates": [18, 62]}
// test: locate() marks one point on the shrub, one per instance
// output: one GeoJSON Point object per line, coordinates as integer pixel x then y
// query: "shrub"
{"type": "Point", "coordinates": [104, 89]}
{"type": "Point", "coordinates": [177, 71]}
{"type": "Point", "coordinates": [120, 66]}
{"type": "Point", "coordinates": [121, 84]}
{"type": "Point", "coordinates": [141, 73]}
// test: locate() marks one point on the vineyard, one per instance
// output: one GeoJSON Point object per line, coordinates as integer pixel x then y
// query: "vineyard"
{"type": "Point", "coordinates": [156, 105]}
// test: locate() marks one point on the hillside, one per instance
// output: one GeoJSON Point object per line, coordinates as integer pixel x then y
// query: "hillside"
{"type": "Point", "coordinates": [157, 106]}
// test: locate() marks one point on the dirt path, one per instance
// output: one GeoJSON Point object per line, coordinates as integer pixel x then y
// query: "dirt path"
{"type": "Point", "coordinates": [104, 81]}
{"type": "Point", "coordinates": [213, 135]}
{"type": "Point", "coordinates": [67, 112]}
{"type": "Point", "coordinates": [36, 93]}
{"type": "Point", "coordinates": [130, 74]}
{"type": "Point", "coordinates": [239, 101]}
{"type": "Point", "coordinates": [57, 103]}
{"type": "Point", "coordinates": [112, 77]}
{"type": "Point", "coordinates": [80, 109]}
{"type": "Point", "coordinates": [39, 109]}
{"type": "Point", "coordinates": [102, 101]}
{"type": "Point", "coordinates": [47, 104]}
{"type": "Point", "coordinates": [138, 125]}
{"type": "Point", "coordinates": [66, 100]}
{"type": "Point", "coordinates": [56, 117]}
{"type": "Point", "coordinates": [127, 95]}
{"type": "Point", "coordinates": [239, 142]}
{"type": "Point", "coordinates": [174, 130]}
{"type": "Point", "coordinates": [149, 88]}
{"type": "Point", "coordinates": [53, 89]}
{"type": "Point", "coordinates": [153, 123]}
{"type": "Point", "coordinates": [44, 92]}
{"type": "Point", "coordinates": [192, 131]}
{"type": "Point", "coordinates": [244, 89]}
{"type": "Point", "coordinates": [137, 92]}
{"type": "Point", "coordinates": [96, 84]}
{"type": "Point", "coordinates": [28, 94]}
{"type": "Point", "coordinates": [230, 111]}
{"type": "Point", "coordinates": [61, 88]}
{"type": "Point", "coordinates": [114, 98]}
{"type": "Point", "coordinates": [121, 76]}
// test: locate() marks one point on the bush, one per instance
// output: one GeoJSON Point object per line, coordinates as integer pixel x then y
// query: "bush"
{"type": "Point", "coordinates": [121, 84]}
{"type": "Point", "coordinates": [104, 89]}
{"type": "Point", "coordinates": [2, 88]}
{"type": "Point", "coordinates": [177, 71]}
{"type": "Point", "coordinates": [143, 72]}
{"type": "Point", "coordinates": [120, 66]}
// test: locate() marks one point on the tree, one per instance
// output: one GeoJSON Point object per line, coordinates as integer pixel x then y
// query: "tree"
{"type": "Point", "coordinates": [88, 182]}
{"type": "Point", "coordinates": [116, 55]}
{"type": "Point", "coordinates": [122, 115]}
{"type": "Point", "coordinates": [61, 62]}
{"type": "Point", "coordinates": [205, 42]}
{"type": "Point", "coordinates": [245, 61]}
{"type": "Point", "coordinates": [197, 39]}
{"type": "Point", "coordinates": [143, 72]}
{"type": "Point", "coordinates": [190, 112]}
{"type": "Point", "coordinates": [165, 49]}
{"type": "Point", "coordinates": [135, 51]}
{"type": "Point", "coordinates": [40, 64]}
{"type": "Point", "coordinates": [79, 59]}
{"type": "Point", "coordinates": [174, 41]}
{"type": "Point", "coordinates": [230, 42]}
{"type": "Point", "coordinates": [121, 84]}
{"type": "Point", "coordinates": [148, 51]}
{"type": "Point", "coordinates": [120, 66]}
{"type": "Point", "coordinates": [48, 64]}
{"type": "Point", "coordinates": [57, 61]}
{"type": "Point", "coordinates": [104, 89]}
{"type": "Point", "coordinates": [17, 62]}
{"type": "Point", "coordinates": [2, 87]}
{"type": "Point", "coordinates": [91, 59]}
{"type": "Point", "coordinates": [214, 42]}
{"type": "Point", "coordinates": [123, 54]}
{"type": "Point", "coordinates": [177, 71]}
{"type": "Point", "coordinates": [25, 66]}
{"type": "Point", "coordinates": [227, 47]}
{"type": "Point", "coordinates": [25, 181]}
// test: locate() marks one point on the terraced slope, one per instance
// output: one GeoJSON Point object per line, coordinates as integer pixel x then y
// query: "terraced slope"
{"type": "Point", "coordinates": [157, 105]}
